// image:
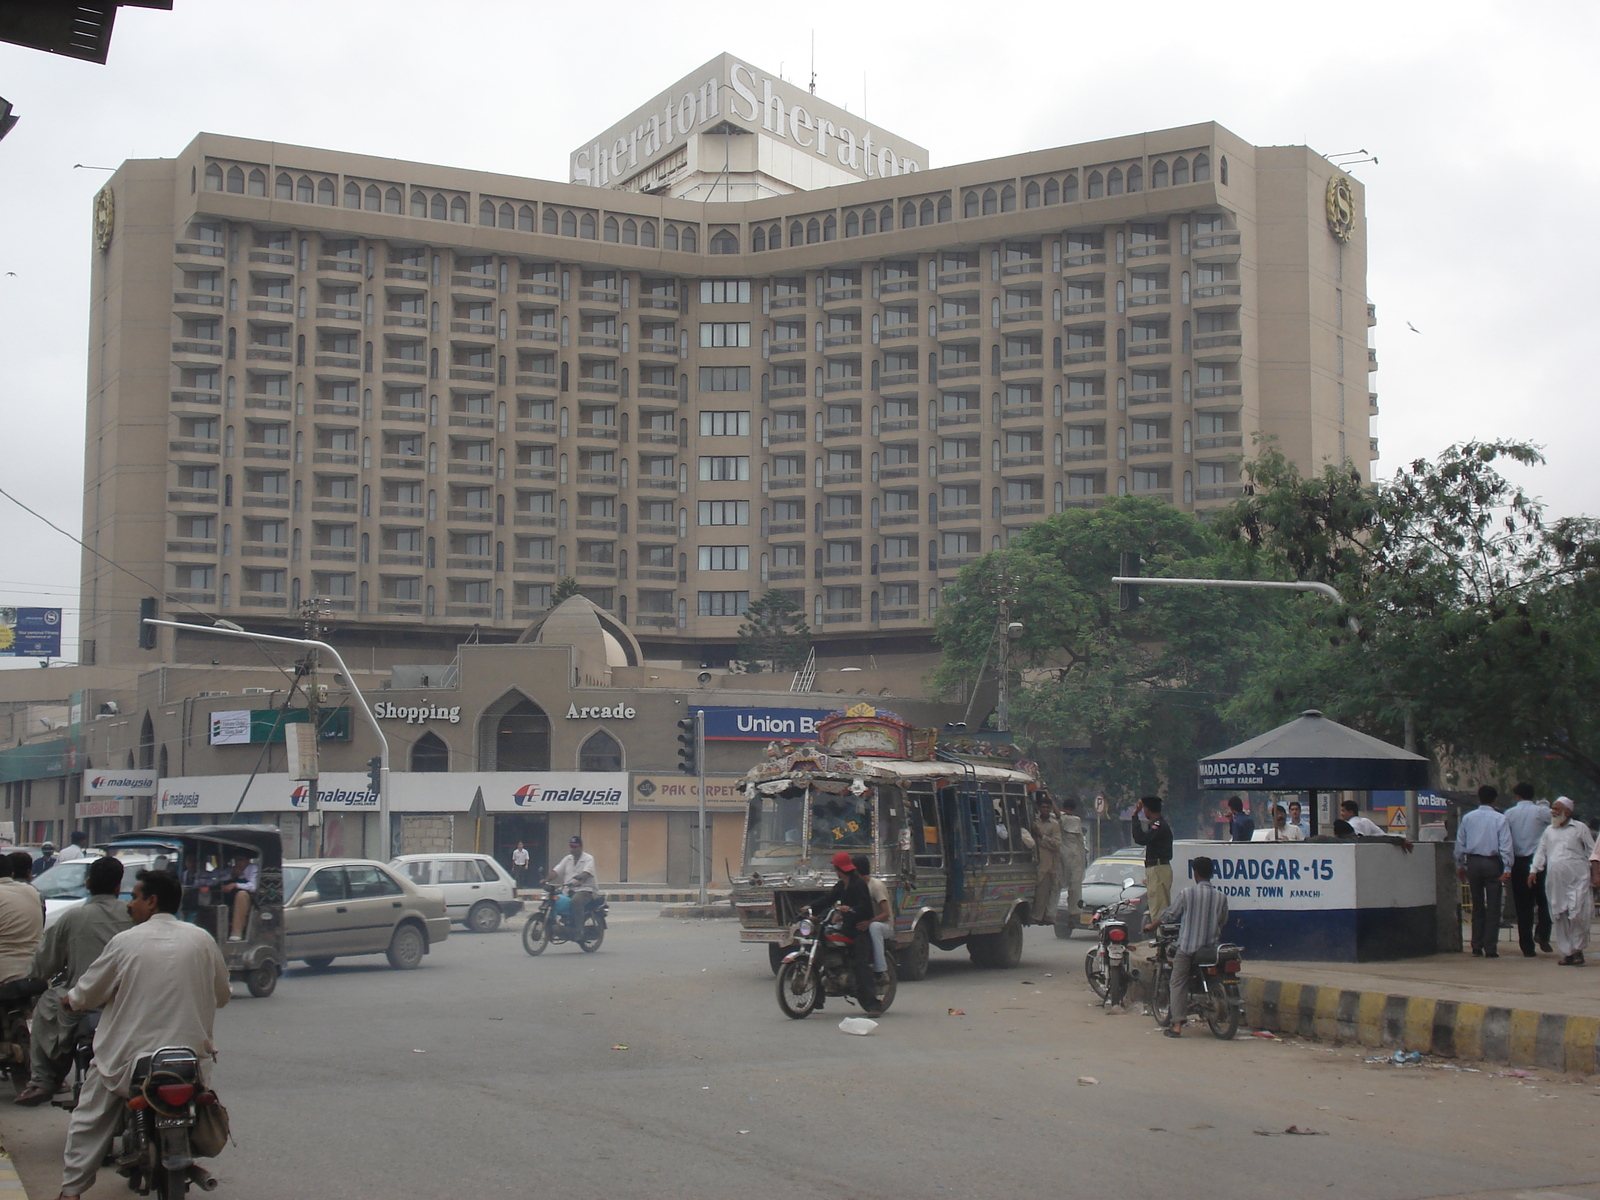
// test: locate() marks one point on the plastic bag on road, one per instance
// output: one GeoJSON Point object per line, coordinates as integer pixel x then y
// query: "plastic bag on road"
{"type": "Point", "coordinates": [857, 1025]}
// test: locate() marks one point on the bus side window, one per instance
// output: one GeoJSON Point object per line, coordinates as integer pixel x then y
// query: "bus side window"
{"type": "Point", "coordinates": [976, 810]}
{"type": "Point", "coordinates": [1017, 804]}
{"type": "Point", "coordinates": [926, 842]}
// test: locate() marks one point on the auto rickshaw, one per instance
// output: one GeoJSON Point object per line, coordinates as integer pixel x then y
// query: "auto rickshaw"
{"type": "Point", "coordinates": [202, 855]}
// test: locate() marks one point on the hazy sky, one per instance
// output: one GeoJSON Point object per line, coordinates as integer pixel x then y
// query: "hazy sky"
{"type": "Point", "coordinates": [1479, 234]}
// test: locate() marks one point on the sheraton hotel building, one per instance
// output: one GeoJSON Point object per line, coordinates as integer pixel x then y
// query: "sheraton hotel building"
{"type": "Point", "coordinates": [753, 342]}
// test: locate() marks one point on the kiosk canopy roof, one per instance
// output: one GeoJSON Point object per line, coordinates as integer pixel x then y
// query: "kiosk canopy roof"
{"type": "Point", "coordinates": [1312, 752]}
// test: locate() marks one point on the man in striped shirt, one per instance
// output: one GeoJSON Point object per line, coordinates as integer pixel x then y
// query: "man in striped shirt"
{"type": "Point", "coordinates": [1201, 912]}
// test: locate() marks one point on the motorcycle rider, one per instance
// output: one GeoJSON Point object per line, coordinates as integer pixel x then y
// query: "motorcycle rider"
{"type": "Point", "coordinates": [161, 984]}
{"type": "Point", "coordinates": [576, 868]}
{"type": "Point", "coordinates": [69, 946]}
{"type": "Point", "coordinates": [852, 892]}
{"type": "Point", "coordinates": [1201, 911]}
{"type": "Point", "coordinates": [882, 914]}
{"type": "Point", "coordinates": [21, 922]}
{"type": "Point", "coordinates": [47, 859]}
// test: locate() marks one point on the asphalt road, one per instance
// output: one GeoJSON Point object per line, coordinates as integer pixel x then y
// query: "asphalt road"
{"type": "Point", "coordinates": [661, 1067]}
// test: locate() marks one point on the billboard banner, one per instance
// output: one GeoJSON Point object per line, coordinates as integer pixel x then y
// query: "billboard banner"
{"type": "Point", "coordinates": [30, 633]}
{"type": "Point", "coordinates": [683, 792]}
{"type": "Point", "coordinates": [760, 724]}
{"type": "Point", "coordinates": [119, 783]}
{"type": "Point", "coordinates": [247, 726]}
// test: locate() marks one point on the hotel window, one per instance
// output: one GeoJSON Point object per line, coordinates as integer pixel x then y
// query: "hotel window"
{"type": "Point", "coordinates": [1097, 185]}
{"type": "Point", "coordinates": [724, 291]}
{"type": "Point", "coordinates": [724, 512]}
{"type": "Point", "coordinates": [724, 468]}
{"type": "Point", "coordinates": [724, 379]}
{"type": "Point", "coordinates": [1180, 172]}
{"type": "Point", "coordinates": [723, 604]}
{"type": "Point", "coordinates": [725, 424]}
{"type": "Point", "coordinates": [724, 558]}
{"type": "Point", "coordinates": [724, 333]}
{"type": "Point", "coordinates": [1158, 174]}
{"type": "Point", "coordinates": [1202, 168]}
{"type": "Point", "coordinates": [724, 242]}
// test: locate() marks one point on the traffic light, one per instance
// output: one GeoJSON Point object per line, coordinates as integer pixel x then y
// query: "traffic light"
{"type": "Point", "coordinates": [1128, 593]}
{"type": "Point", "coordinates": [688, 746]}
{"type": "Point", "coordinates": [374, 775]}
{"type": "Point", "coordinates": [147, 633]}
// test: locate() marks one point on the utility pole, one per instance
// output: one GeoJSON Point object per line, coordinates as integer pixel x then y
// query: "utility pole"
{"type": "Point", "coordinates": [311, 615]}
{"type": "Point", "coordinates": [700, 759]}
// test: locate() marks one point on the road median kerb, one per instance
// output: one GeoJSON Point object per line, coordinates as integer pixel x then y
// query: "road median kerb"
{"type": "Point", "coordinates": [1517, 1037]}
{"type": "Point", "coordinates": [699, 912]}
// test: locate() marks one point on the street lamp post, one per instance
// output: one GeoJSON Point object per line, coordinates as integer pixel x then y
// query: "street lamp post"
{"type": "Point", "coordinates": [312, 644]}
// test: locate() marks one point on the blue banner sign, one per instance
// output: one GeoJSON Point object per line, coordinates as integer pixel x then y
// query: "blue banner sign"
{"type": "Point", "coordinates": [30, 633]}
{"type": "Point", "coordinates": [761, 724]}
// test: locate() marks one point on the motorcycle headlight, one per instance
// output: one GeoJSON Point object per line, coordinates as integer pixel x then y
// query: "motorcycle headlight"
{"type": "Point", "coordinates": [804, 928]}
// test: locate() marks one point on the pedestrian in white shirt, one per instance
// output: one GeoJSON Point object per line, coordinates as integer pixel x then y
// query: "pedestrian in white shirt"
{"type": "Point", "coordinates": [160, 984]}
{"type": "Point", "coordinates": [1282, 829]}
{"type": "Point", "coordinates": [1563, 859]}
{"type": "Point", "coordinates": [74, 849]}
{"type": "Point", "coordinates": [1359, 825]}
{"type": "Point", "coordinates": [577, 868]}
{"type": "Point", "coordinates": [519, 864]}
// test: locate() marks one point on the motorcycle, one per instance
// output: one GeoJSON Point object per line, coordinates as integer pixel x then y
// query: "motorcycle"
{"type": "Point", "coordinates": [822, 964]}
{"type": "Point", "coordinates": [156, 1145]}
{"type": "Point", "coordinates": [552, 922]}
{"type": "Point", "coordinates": [16, 1006]}
{"type": "Point", "coordinates": [82, 1056]}
{"type": "Point", "coordinates": [1213, 983]}
{"type": "Point", "coordinates": [1108, 965]}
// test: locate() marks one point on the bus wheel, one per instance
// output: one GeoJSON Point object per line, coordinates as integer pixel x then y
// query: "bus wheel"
{"type": "Point", "coordinates": [914, 958]}
{"type": "Point", "coordinates": [998, 950]}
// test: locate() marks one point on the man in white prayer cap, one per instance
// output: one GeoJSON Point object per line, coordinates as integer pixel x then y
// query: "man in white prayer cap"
{"type": "Point", "coordinates": [1563, 856]}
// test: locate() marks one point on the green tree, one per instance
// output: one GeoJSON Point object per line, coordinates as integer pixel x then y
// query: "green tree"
{"type": "Point", "coordinates": [774, 635]}
{"type": "Point", "coordinates": [1477, 613]}
{"type": "Point", "coordinates": [1123, 702]}
{"type": "Point", "coordinates": [566, 587]}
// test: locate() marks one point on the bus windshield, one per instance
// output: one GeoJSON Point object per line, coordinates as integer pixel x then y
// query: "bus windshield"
{"type": "Point", "coordinates": [799, 828]}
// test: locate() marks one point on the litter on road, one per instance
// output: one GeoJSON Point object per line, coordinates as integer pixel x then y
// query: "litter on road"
{"type": "Point", "coordinates": [857, 1025]}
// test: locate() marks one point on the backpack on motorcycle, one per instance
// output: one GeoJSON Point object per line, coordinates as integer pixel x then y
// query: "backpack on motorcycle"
{"type": "Point", "coordinates": [211, 1130]}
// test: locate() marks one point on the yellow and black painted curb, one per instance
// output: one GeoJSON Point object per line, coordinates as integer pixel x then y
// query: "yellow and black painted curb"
{"type": "Point", "coordinates": [10, 1181]}
{"type": "Point", "coordinates": [1518, 1037]}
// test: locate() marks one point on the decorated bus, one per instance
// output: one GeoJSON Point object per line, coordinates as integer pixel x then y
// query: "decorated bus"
{"type": "Point", "coordinates": [943, 830]}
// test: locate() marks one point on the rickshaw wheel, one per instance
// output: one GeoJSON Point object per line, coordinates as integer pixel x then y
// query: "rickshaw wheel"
{"type": "Point", "coordinates": [320, 963]}
{"type": "Point", "coordinates": [263, 980]}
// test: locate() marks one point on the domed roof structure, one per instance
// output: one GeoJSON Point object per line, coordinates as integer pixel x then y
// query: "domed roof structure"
{"type": "Point", "coordinates": [599, 641]}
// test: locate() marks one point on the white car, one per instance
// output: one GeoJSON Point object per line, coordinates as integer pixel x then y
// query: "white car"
{"type": "Point", "coordinates": [478, 891]}
{"type": "Point", "coordinates": [63, 887]}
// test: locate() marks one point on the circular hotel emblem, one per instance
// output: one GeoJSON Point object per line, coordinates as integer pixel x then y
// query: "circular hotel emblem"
{"type": "Point", "coordinates": [1341, 207]}
{"type": "Point", "coordinates": [105, 214]}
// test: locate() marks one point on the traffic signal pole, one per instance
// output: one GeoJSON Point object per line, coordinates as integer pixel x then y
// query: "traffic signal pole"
{"type": "Point", "coordinates": [350, 681]}
{"type": "Point", "coordinates": [692, 761]}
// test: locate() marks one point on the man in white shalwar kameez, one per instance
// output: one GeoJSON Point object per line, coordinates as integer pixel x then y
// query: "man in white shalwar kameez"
{"type": "Point", "coordinates": [160, 984]}
{"type": "Point", "coordinates": [1563, 857]}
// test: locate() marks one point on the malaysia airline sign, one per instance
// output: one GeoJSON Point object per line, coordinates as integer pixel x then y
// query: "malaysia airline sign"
{"type": "Point", "coordinates": [727, 91]}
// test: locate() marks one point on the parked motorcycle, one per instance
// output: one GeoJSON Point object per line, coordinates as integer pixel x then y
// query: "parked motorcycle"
{"type": "Point", "coordinates": [552, 922]}
{"type": "Point", "coordinates": [16, 1006]}
{"type": "Point", "coordinates": [158, 1142]}
{"type": "Point", "coordinates": [1213, 984]}
{"type": "Point", "coordinates": [1109, 964]}
{"type": "Point", "coordinates": [822, 964]}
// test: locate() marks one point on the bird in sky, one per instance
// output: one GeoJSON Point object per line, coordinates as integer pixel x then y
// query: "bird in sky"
{"type": "Point", "coordinates": [1412, 327]}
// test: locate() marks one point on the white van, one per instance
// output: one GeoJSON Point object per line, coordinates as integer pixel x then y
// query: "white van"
{"type": "Point", "coordinates": [478, 892]}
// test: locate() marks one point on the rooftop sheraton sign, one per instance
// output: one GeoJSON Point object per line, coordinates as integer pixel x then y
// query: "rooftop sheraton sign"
{"type": "Point", "coordinates": [728, 91]}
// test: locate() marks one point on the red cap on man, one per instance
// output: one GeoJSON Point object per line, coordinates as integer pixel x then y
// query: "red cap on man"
{"type": "Point", "coordinates": [841, 862]}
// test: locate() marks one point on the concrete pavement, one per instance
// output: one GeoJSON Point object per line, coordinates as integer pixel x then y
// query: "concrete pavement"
{"type": "Point", "coordinates": [661, 1068]}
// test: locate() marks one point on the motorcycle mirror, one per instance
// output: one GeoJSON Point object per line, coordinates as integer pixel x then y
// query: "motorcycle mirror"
{"type": "Point", "coordinates": [1127, 883]}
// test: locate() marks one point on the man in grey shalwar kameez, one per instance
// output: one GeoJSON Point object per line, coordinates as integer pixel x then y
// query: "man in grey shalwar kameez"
{"type": "Point", "coordinates": [69, 946]}
{"type": "Point", "coordinates": [1563, 858]}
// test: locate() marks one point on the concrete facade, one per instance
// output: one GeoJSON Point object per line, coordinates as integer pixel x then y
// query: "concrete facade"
{"type": "Point", "coordinates": [426, 393]}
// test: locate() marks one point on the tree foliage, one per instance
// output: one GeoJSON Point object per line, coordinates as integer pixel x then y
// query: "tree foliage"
{"type": "Point", "coordinates": [566, 587]}
{"type": "Point", "coordinates": [774, 635]}
{"type": "Point", "coordinates": [1468, 614]}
